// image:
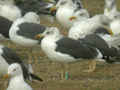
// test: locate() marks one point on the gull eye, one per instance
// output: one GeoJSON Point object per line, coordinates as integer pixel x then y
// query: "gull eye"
{"type": "Point", "coordinates": [14, 70]}
{"type": "Point", "coordinates": [48, 33]}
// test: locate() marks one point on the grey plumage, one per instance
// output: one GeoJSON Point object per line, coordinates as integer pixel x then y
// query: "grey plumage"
{"type": "Point", "coordinates": [29, 30]}
{"type": "Point", "coordinates": [5, 25]}
{"type": "Point", "coordinates": [98, 42]}
{"type": "Point", "coordinates": [77, 49]}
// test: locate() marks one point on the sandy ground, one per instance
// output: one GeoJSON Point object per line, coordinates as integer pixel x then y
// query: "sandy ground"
{"type": "Point", "coordinates": [105, 77]}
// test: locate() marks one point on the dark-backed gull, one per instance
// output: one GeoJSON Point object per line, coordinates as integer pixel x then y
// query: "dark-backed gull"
{"type": "Point", "coordinates": [64, 49]}
{"type": "Point", "coordinates": [92, 47]}
{"type": "Point", "coordinates": [8, 57]}
{"type": "Point", "coordinates": [24, 29]}
{"type": "Point", "coordinates": [16, 81]}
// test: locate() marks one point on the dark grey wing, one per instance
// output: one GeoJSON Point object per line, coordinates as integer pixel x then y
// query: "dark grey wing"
{"type": "Point", "coordinates": [5, 25]}
{"type": "Point", "coordinates": [37, 6]}
{"type": "Point", "coordinates": [96, 41]}
{"type": "Point", "coordinates": [30, 30]}
{"type": "Point", "coordinates": [10, 56]}
{"type": "Point", "coordinates": [75, 48]}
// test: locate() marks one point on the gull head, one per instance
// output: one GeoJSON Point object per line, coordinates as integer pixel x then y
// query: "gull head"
{"type": "Point", "coordinates": [14, 70]}
{"type": "Point", "coordinates": [32, 17]}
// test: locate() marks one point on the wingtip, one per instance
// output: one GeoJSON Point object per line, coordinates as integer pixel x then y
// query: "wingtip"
{"type": "Point", "coordinates": [35, 77]}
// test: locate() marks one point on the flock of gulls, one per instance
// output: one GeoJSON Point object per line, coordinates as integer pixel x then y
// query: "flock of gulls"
{"type": "Point", "coordinates": [91, 38]}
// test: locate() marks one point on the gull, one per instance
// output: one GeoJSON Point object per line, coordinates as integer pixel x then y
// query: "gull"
{"type": "Point", "coordinates": [67, 8]}
{"type": "Point", "coordinates": [16, 81]}
{"type": "Point", "coordinates": [23, 30]}
{"type": "Point", "coordinates": [8, 57]}
{"type": "Point", "coordinates": [93, 47]}
{"type": "Point", "coordinates": [64, 49]}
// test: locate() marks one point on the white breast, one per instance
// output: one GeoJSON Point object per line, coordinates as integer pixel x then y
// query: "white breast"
{"type": "Point", "coordinates": [63, 14]}
{"type": "Point", "coordinates": [48, 46]}
{"type": "Point", "coordinates": [3, 66]}
{"type": "Point", "coordinates": [21, 40]}
{"type": "Point", "coordinates": [82, 28]}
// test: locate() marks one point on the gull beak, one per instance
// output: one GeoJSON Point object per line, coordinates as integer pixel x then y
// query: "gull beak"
{"type": "Point", "coordinates": [72, 18]}
{"type": "Point", "coordinates": [38, 36]}
{"type": "Point", "coordinates": [52, 9]}
{"type": "Point", "coordinates": [6, 76]}
{"type": "Point", "coordinates": [110, 31]}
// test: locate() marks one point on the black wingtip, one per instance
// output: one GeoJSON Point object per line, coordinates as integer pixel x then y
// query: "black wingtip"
{"type": "Point", "coordinates": [35, 77]}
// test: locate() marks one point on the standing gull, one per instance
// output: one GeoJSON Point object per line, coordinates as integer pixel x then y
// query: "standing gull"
{"type": "Point", "coordinates": [23, 30]}
{"type": "Point", "coordinates": [16, 78]}
{"type": "Point", "coordinates": [64, 49]}
{"type": "Point", "coordinates": [97, 46]}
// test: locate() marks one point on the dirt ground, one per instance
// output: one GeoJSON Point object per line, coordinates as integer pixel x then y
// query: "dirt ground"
{"type": "Point", "coordinates": [105, 77]}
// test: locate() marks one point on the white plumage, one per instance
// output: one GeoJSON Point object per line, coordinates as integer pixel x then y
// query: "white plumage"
{"type": "Point", "coordinates": [86, 26]}
{"type": "Point", "coordinates": [17, 81]}
{"type": "Point", "coordinates": [10, 11]}
{"type": "Point", "coordinates": [115, 26]}
{"type": "Point", "coordinates": [111, 9]}
{"type": "Point", "coordinates": [3, 63]}
{"type": "Point", "coordinates": [50, 43]}
{"type": "Point", "coordinates": [66, 9]}
{"type": "Point", "coordinates": [112, 13]}
{"type": "Point", "coordinates": [29, 17]}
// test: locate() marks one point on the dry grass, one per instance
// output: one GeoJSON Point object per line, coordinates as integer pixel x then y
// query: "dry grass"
{"type": "Point", "coordinates": [106, 76]}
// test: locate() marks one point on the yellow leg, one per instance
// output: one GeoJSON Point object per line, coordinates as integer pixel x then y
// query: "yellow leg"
{"type": "Point", "coordinates": [92, 66]}
{"type": "Point", "coordinates": [36, 58]}
{"type": "Point", "coordinates": [30, 57]}
{"type": "Point", "coordinates": [30, 61]}
{"type": "Point", "coordinates": [64, 72]}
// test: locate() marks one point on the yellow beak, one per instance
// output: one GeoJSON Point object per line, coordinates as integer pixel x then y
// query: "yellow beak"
{"type": "Point", "coordinates": [39, 36]}
{"type": "Point", "coordinates": [72, 18]}
{"type": "Point", "coordinates": [109, 30]}
{"type": "Point", "coordinates": [6, 76]}
{"type": "Point", "coordinates": [52, 9]}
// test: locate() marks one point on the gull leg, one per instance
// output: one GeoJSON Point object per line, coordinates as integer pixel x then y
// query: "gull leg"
{"type": "Point", "coordinates": [62, 71]}
{"type": "Point", "coordinates": [92, 66]}
{"type": "Point", "coordinates": [66, 72]}
{"type": "Point", "coordinates": [36, 58]}
{"type": "Point", "coordinates": [30, 61]}
{"type": "Point", "coordinates": [30, 57]}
